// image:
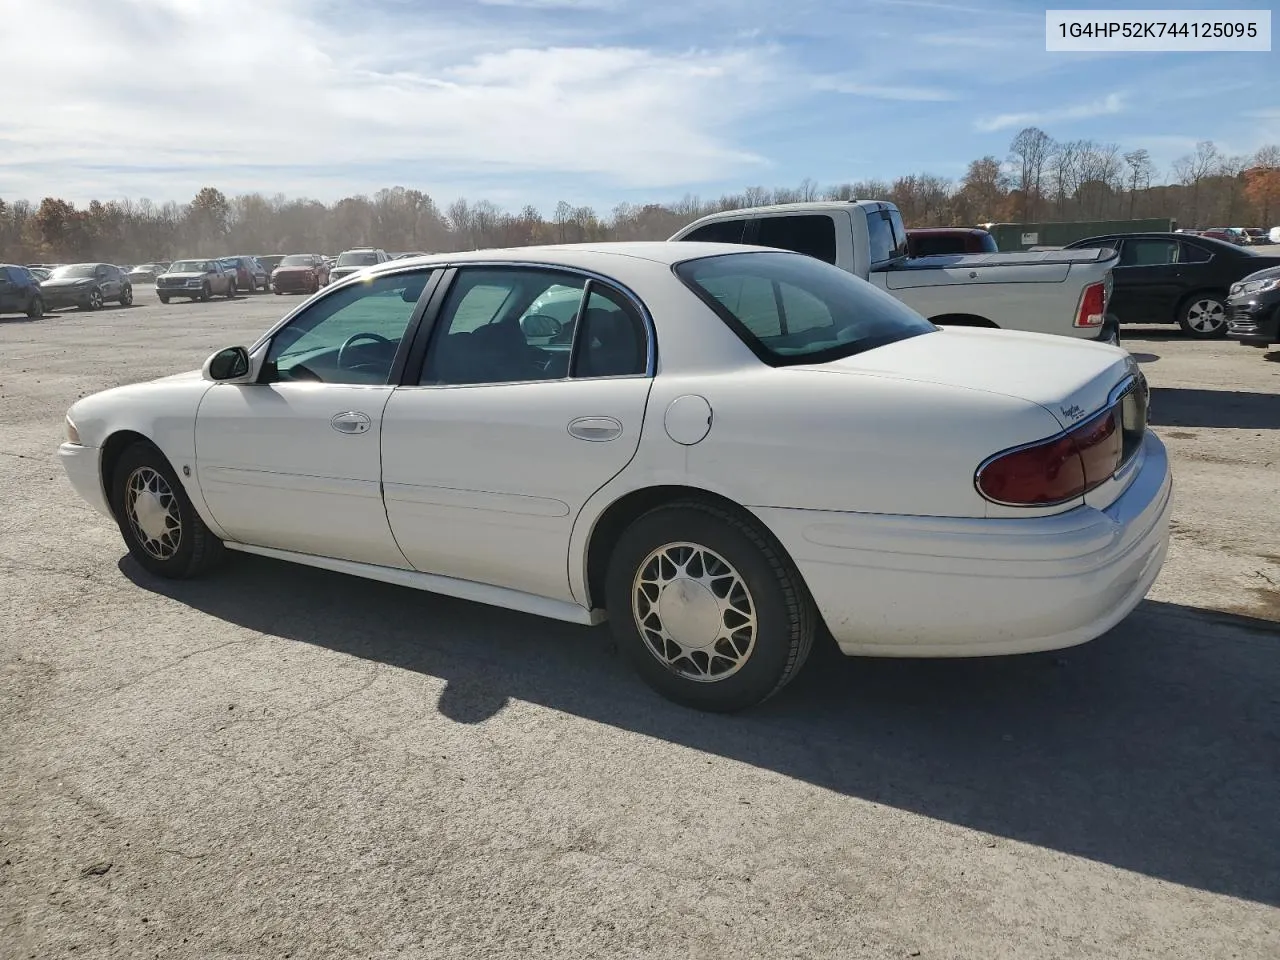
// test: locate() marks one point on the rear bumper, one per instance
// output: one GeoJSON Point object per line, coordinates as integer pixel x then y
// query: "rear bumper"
{"type": "Point", "coordinates": [952, 587]}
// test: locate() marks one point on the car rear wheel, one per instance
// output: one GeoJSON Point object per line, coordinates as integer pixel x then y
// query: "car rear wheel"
{"type": "Point", "coordinates": [160, 526]}
{"type": "Point", "coordinates": [707, 607]}
{"type": "Point", "coordinates": [206, 292]}
{"type": "Point", "coordinates": [35, 309]}
{"type": "Point", "coordinates": [164, 297]}
{"type": "Point", "coordinates": [1204, 316]}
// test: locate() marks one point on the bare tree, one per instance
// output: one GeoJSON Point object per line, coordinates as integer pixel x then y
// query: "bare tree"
{"type": "Point", "coordinates": [1191, 171]}
{"type": "Point", "coordinates": [1139, 176]}
{"type": "Point", "coordinates": [1029, 152]}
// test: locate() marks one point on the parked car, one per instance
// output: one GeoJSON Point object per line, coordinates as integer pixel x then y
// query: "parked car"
{"type": "Point", "coordinates": [406, 256]}
{"type": "Point", "coordinates": [932, 241]}
{"type": "Point", "coordinates": [146, 272]}
{"type": "Point", "coordinates": [1174, 278]}
{"type": "Point", "coordinates": [810, 453]}
{"type": "Point", "coordinates": [1060, 292]}
{"type": "Point", "coordinates": [1256, 236]}
{"type": "Point", "coordinates": [86, 286]}
{"type": "Point", "coordinates": [352, 260]}
{"type": "Point", "coordinates": [250, 274]}
{"type": "Point", "coordinates": [40, 273]}
{"type": "Point", "coordinates": [1274, 235]}
{"type": "Point", "coordinates": [1254, 304]}
{"type": "Point", "coordinates": [1225, 234]}
{"type": "Point", "coordinates": [270, 262]}
{"type": "Point", "coordinates": [20, 291]}
{"type": "Point", "coordinates": [195, 280]}
{"type": "Point", "coordinates": [300, 273]}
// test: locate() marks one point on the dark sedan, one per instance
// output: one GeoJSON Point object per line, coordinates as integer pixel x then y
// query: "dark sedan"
{"type": "Point", "coordinates": [1255, 309]}
{"type": "Point", "coordinates": [1176, 278]}
{"type": "Point", "coordinates": [87, 286]}
{"type": "Point", "coordinates": [20, 291]}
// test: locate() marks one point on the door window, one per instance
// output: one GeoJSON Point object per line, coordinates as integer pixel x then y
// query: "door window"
{"type": "Point", "coordinates": [1148, 253]}
{"type": "Point", "coordinates": [1190, 253]}
{"type": "Point", "coordinates": [718, 231]}
{"type": "Point", "coordinates": [350, 336]}
{"type": "Point", "coordinates": [811, 234]}
{"type": "Point", "coordinates": [501, 325]}
{"type": "Point", "coordinates": [612, 341]}
{"type": "Point", "coordinates": [886, 243]}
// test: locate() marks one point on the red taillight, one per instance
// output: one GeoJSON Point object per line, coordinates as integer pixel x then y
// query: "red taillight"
{"type": "Point", "coordinates": [1056, 470]}
{"type": "Point", "coordinates": [1093, 306]}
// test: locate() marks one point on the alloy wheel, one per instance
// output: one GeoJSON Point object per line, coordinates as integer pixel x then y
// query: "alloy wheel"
{"type": "Point", "coordinates": [694, 612]}
{"type": "Point", "coordinates": [1206, 315]}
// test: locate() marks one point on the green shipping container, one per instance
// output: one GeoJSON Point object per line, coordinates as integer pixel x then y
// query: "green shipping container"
{"type": "Point", "coordinates": [1018, 236]}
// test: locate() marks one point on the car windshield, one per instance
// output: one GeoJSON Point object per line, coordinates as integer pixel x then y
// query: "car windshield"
{"type": "Point", "coordinates": [75, 271]}
{"type": "Point", "coordinates": [190, 266]}
{"type": "Point", "coordinates": [357, 259]}
{"type": "Point", "coordinates": [791, 308]}
{"type": "Point", "coordinates": [296, 261]}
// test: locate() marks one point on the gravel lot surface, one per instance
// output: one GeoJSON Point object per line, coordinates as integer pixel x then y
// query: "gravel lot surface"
{"type": "Point", "coordinates": [278, 761]}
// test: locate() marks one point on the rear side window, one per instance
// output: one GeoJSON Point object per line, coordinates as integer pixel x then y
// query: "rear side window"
{"type": "Point", "coordinates": [795, 309]}
{"type": "Point", "coordinates": [720, 231]}
{"type": "Point", "coordinates": [1190, 253]}
{"type": "Point", "coordinates": [811, 234]}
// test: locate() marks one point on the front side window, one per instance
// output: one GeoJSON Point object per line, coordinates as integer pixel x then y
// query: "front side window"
{"type": "Point", "coordinates": [795, 309]}
{"type": "Point", "coordinates": [350, 336]}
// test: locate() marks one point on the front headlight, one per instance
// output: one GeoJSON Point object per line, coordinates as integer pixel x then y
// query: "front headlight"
{"type": "Point", "coordinates": [73, 435]}
{"type": "Point", "coordinates": [1254, 287]}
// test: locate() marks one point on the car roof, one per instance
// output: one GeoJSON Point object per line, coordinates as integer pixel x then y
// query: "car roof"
{"type": "Point", "coordinates": [939, 230]}
{"type": "Point", "coordinates": [568, 254]}
{"type": "Point", "coordinates": [1157, 235]}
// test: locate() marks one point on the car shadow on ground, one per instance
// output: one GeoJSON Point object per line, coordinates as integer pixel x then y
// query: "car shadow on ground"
{"type": "Point", "coordinates": [1188, 407]}
{"type": "Point", "coordinates": [1155, 749]}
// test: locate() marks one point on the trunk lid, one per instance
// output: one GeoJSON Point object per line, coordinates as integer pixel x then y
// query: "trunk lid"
{"type": "Point", "coordinates": [1069, 378]}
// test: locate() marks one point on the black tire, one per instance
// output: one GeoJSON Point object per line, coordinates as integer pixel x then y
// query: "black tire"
{"type": "Point", "coordinates": [206, 292]}
{"type": "Point", "coordinates": [126, 295]}
{"type": "Point", "coordinates": [93, 301]}
{"type": "Point", "coordinates": [231, 290]}
{"type": "Point", "coordinates": [194, 549]}
{"type": "Point", "coordinates": [35, 309]}
{"type": "Point", "coordinates": [785, 615]}
{"type": "Point", "coordinates": [1197, 310]}
{"type": "Point", "coordinates": [164, 297]}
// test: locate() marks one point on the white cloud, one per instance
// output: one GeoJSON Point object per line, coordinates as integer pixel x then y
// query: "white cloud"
{"type": "Point", "coordinates": [1112, 103]}
{"type": "Point", "coordinates": [151, 84]}
{"type": "Point", "coordinates": [875, 91]}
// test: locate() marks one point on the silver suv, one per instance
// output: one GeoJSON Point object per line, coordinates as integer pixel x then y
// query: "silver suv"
{"type": "Point", "coordinates": [356, 259]}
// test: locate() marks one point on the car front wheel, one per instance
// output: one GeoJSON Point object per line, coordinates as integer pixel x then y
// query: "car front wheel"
{"type": "Point", "coordinates": [160, 526]}
{"type": "Point", "coordinates": [707, 607]}
{"type": "Point", "coordinates": [231, 290]}
{"type": "Point", "coordinates": [1204, 316]}
{"type": "Point", "coordinates": [35, 309]}
{"type": "Point", "coordinates": [93, 301]}
{"type": "Point", "coordinates": [126, 297]}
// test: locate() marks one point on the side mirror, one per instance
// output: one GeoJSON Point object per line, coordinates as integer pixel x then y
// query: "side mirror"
{"type": "Point", "coordinates": [227, 365]}
{"type": "Point", "coordinates": [539, 325]}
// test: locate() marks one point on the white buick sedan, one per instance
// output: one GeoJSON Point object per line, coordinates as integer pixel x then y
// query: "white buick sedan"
{"type": "Point", "coordinates": [722, 450]}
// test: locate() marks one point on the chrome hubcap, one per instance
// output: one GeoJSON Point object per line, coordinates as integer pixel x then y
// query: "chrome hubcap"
{"type": "Point", "coordinates": [694, 612]}
{"type": "Point", "coordinates": [1206, 315]}
{"type": "Point", "coordinates": [153, 513]}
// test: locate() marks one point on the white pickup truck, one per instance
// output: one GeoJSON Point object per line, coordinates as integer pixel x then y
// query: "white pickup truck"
{"type": "Point", "coordinates": [1063, 292]}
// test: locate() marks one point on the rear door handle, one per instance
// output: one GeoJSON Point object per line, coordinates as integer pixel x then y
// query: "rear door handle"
{"type": "Point", "coordinates": [596, 429]}
{"type": "Point", "coordinates": [353, 421]}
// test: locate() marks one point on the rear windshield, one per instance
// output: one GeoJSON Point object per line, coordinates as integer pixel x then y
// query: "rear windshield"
{"type": "Point", "coordinates": [357, 259]}
{"type": "Point", "coordinates": [790, 308]}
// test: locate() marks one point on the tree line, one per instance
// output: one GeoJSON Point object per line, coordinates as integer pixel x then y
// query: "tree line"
{"type": "Point", "coordinates": [1040, 179]}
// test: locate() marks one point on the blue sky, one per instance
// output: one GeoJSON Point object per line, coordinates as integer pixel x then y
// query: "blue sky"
{"type": "Point", "coordinates": [590, 101]}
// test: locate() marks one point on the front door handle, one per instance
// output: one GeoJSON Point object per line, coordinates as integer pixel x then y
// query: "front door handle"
{"type": "Point", "coordinates": [353, 421]}
{"type": "Point", "coordinates": [596, 429]}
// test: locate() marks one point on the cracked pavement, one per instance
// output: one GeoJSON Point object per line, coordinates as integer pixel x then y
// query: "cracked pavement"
{"type": "Point", "coordinates": [280, 761]}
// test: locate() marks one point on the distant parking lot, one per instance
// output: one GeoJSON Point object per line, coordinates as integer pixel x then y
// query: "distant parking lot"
{"type": "Point", "coordinates": [280, 761]}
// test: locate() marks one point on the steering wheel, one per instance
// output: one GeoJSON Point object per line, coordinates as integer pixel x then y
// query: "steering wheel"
{"type": "Point", "coordinates": [355, 338]}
